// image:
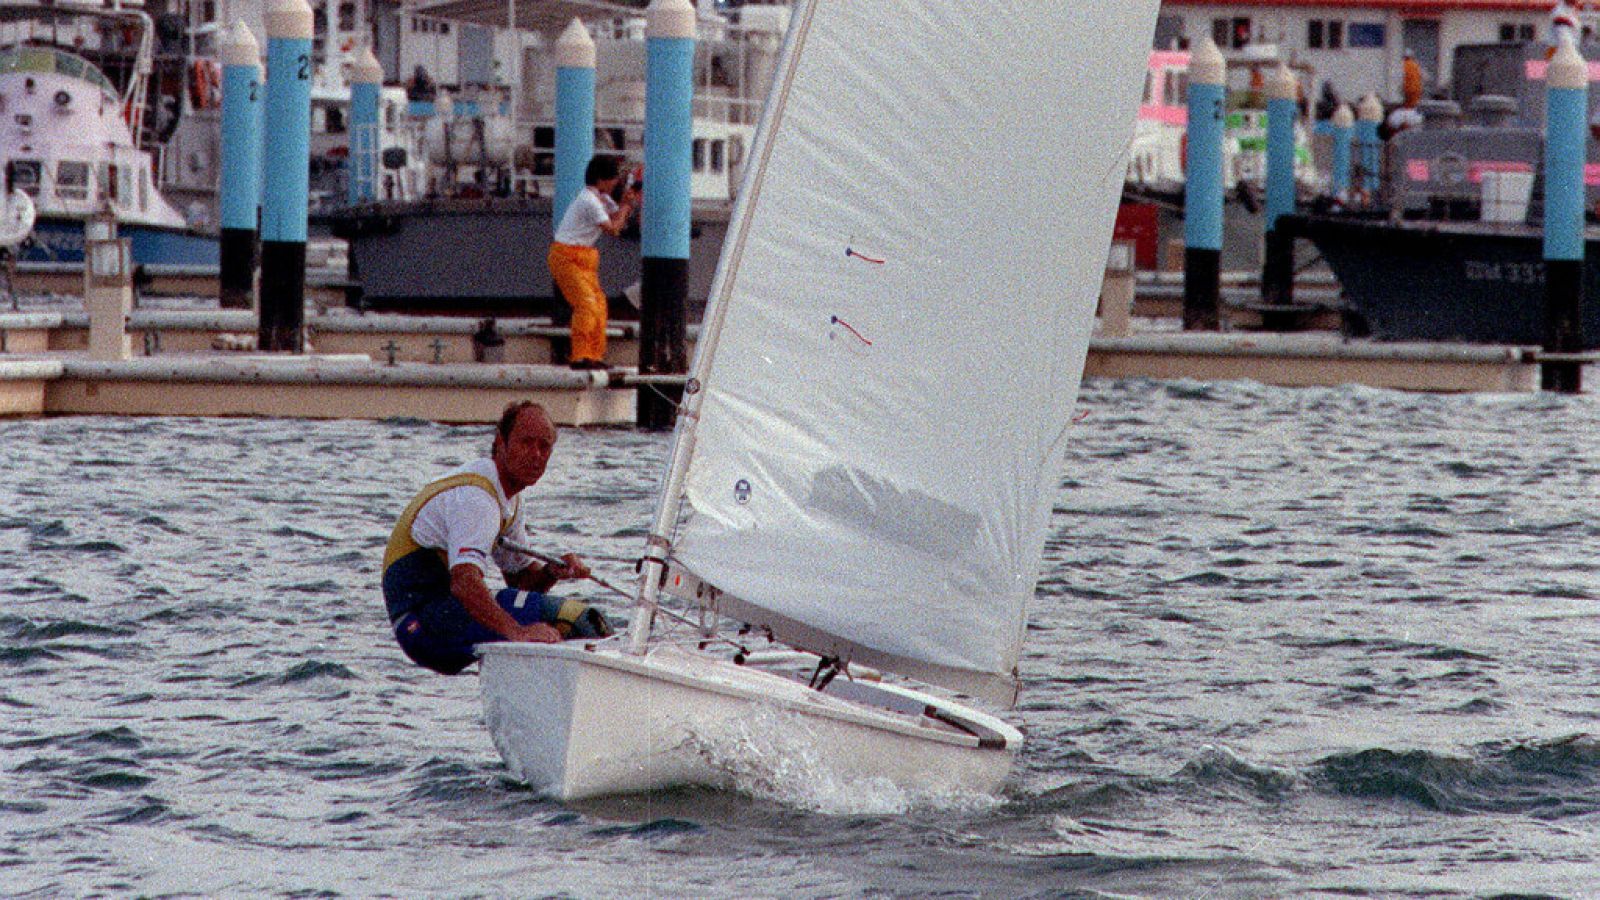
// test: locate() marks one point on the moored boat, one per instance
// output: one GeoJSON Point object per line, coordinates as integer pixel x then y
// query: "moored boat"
{"type": "Point", "coordinates": [1454, 250]}
{"type": "Point", "coordinates": [73, 85]}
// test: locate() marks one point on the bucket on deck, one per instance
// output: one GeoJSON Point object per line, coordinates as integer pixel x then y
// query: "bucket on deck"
{"type": "Point", "coordinates": [1505, 196]}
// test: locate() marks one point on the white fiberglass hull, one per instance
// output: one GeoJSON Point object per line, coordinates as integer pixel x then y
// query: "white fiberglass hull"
{"type": "Point", "coordinates": [585, 720]}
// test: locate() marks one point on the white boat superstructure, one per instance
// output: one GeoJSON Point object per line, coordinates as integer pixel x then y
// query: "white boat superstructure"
{"type": "Point", "coordinates": [871, 437]}
{"type": "Point", "coordinates": [64, 125]}
{"type": "Point", "coordinates": [1156, 157]}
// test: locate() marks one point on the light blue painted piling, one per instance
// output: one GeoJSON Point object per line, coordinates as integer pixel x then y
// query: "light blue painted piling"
{"type": "Point", "coordinates": [240, 179]}
{"type": "Point", "coordinates": [1370, 158]}
{"type": "Point", "coordinates": [668, 128]}
{"type": "Point", "coordinates": [574, 114]}
{"type": "Point", "coordinates": [366, 83]}
{"type": "Point", "coordinates": [668, 149]}
{"type": "Point", "coordinates": [1566, 108]}
{"type": "Point", "coordinates": [1339, 171]}
{"type": "Point", "coordinates": [1203, 190]}
{"type": "Point", "coordinates": [1277, 272]}
{"type": "Point", "coordinates": [286, 174]}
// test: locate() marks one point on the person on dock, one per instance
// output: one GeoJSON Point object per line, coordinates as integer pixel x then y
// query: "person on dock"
{"type": "Point", "coordinates": [438, 555]}
{"type": "Point", "coordinates": [575, 260]}
{"type": "Point", "coordinates": [1411, 81]}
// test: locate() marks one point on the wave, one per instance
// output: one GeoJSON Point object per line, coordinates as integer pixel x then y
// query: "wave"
{"type": "Point", "coordinates": [1546, 780]}
{"type": "Point", "coordinates": [309, 670]}
{"type": "Point", "coordinates": [33, 632]}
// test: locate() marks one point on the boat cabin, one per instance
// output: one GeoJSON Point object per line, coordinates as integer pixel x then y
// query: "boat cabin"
{"type": "Point", "coordinates": [66, 137]}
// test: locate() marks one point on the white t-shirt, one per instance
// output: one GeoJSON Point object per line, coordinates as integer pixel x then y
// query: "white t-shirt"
{"type": "Point", "coordinates": [465, 522]}
{"type": "Point", "coordinates": [581, 225]}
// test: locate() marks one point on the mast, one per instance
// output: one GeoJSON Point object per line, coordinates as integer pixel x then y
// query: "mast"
{"type": "Point", "coordinates": [670, 503]}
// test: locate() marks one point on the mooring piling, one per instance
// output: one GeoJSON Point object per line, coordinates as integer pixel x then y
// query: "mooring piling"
{"type": "Point", "coordinates": [669, 136]}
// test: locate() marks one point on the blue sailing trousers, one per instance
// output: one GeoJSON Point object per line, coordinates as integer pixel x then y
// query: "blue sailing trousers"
{"type": "Point", "coordinates": [438, 633]}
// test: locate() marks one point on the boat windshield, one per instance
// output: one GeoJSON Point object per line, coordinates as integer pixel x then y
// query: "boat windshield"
{"type": "Point", "coordinates": [49, 59]}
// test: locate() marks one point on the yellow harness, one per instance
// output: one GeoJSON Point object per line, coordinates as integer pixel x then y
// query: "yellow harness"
{"type": "Point", "coordinates": [402, 544]}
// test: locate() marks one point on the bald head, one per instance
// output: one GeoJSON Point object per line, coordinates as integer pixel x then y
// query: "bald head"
{"type": "Point", "coordinates": [523, 442]}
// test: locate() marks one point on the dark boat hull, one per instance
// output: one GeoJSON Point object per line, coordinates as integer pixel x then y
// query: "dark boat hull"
{"type": "Point", "coordinates": [488, 255]}
{"type": "Point", "coordinates": [60, 240]}
{"type": "Point", "coordinates": [1444, 281]}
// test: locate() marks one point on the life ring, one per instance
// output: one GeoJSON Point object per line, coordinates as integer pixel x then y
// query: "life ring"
{"type": "Point", "coordinates": [17, 215]}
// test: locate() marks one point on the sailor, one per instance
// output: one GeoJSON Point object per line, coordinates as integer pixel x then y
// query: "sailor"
{"type": "Point", "coordinates": [575, 261]}
{"type": "Point", "coordinates": [439, 554]}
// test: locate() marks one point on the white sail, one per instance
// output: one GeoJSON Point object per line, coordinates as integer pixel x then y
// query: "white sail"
{"type": "Point", "coordinates": [899, 326]}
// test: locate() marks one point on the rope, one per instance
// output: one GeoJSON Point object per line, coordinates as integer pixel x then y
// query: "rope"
{"type": "Point", "coordinates": [677, 407]}
{"type": "Point", "coordinates": [681, 619]}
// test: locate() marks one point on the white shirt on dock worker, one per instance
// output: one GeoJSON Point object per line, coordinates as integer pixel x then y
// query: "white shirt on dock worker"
{"type": "Point", "coordinates": [580, 227]}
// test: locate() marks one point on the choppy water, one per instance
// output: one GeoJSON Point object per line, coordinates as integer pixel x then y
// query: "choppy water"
{"type": "Point", "coordinates": [1314, 643]}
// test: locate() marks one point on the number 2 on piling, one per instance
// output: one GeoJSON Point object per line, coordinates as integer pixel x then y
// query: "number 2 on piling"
{"type": "Point", "coordinates": [304, 72]}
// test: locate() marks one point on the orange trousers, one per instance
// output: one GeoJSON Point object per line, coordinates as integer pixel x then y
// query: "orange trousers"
{"type": "Point", "coordinates": [576, 271]}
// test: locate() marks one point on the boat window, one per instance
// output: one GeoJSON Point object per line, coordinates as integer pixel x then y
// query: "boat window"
{"type": "Point", "coordinates": [1231, 33]}
{"type": "Point", "coordinates": [347, 17]}
{"type": "Point", "coordinates": [44, 59]}
{"type": "Point", "coordinates": [718, 149]}
{"type": "Point", "coordinates": [1325, 34]}
{"type": "Point", "coordinates": [1149, 88]}
{"type": "Point", "coordinates": [1512, 32]}
{"type": "Point", "coordinates": [108, 178]}
{"type": "Point", "coordinates": [699, 154]}
{"type": "Point", "coordinates": [1177, 89]}
{"type": "Point", "coordinates": [1369, 35]}
{"type": "Point", "coordinates": [144, 188]}
{"type": "Point", "coordinates": [72, 180]}
{"type": "Point", "coordinates": [24, 174]}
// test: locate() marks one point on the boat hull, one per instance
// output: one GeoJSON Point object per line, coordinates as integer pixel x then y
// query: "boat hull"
{"type": "Point", "coordinates": [489, 255]}
{"type": "Point", "coordinates": [576, 721]}
{"type": "Point", "coordinates": [1441, 281]}
{"type": "Point", "coordinates": [60, 239]}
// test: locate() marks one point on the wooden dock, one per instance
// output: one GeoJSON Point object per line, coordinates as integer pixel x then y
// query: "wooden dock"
{"type": "Point", "coordinates": [379, 366]}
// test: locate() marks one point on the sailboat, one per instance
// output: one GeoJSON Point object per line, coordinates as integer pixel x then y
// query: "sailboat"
{"type": "Point", "coordinates": [873, 430]}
